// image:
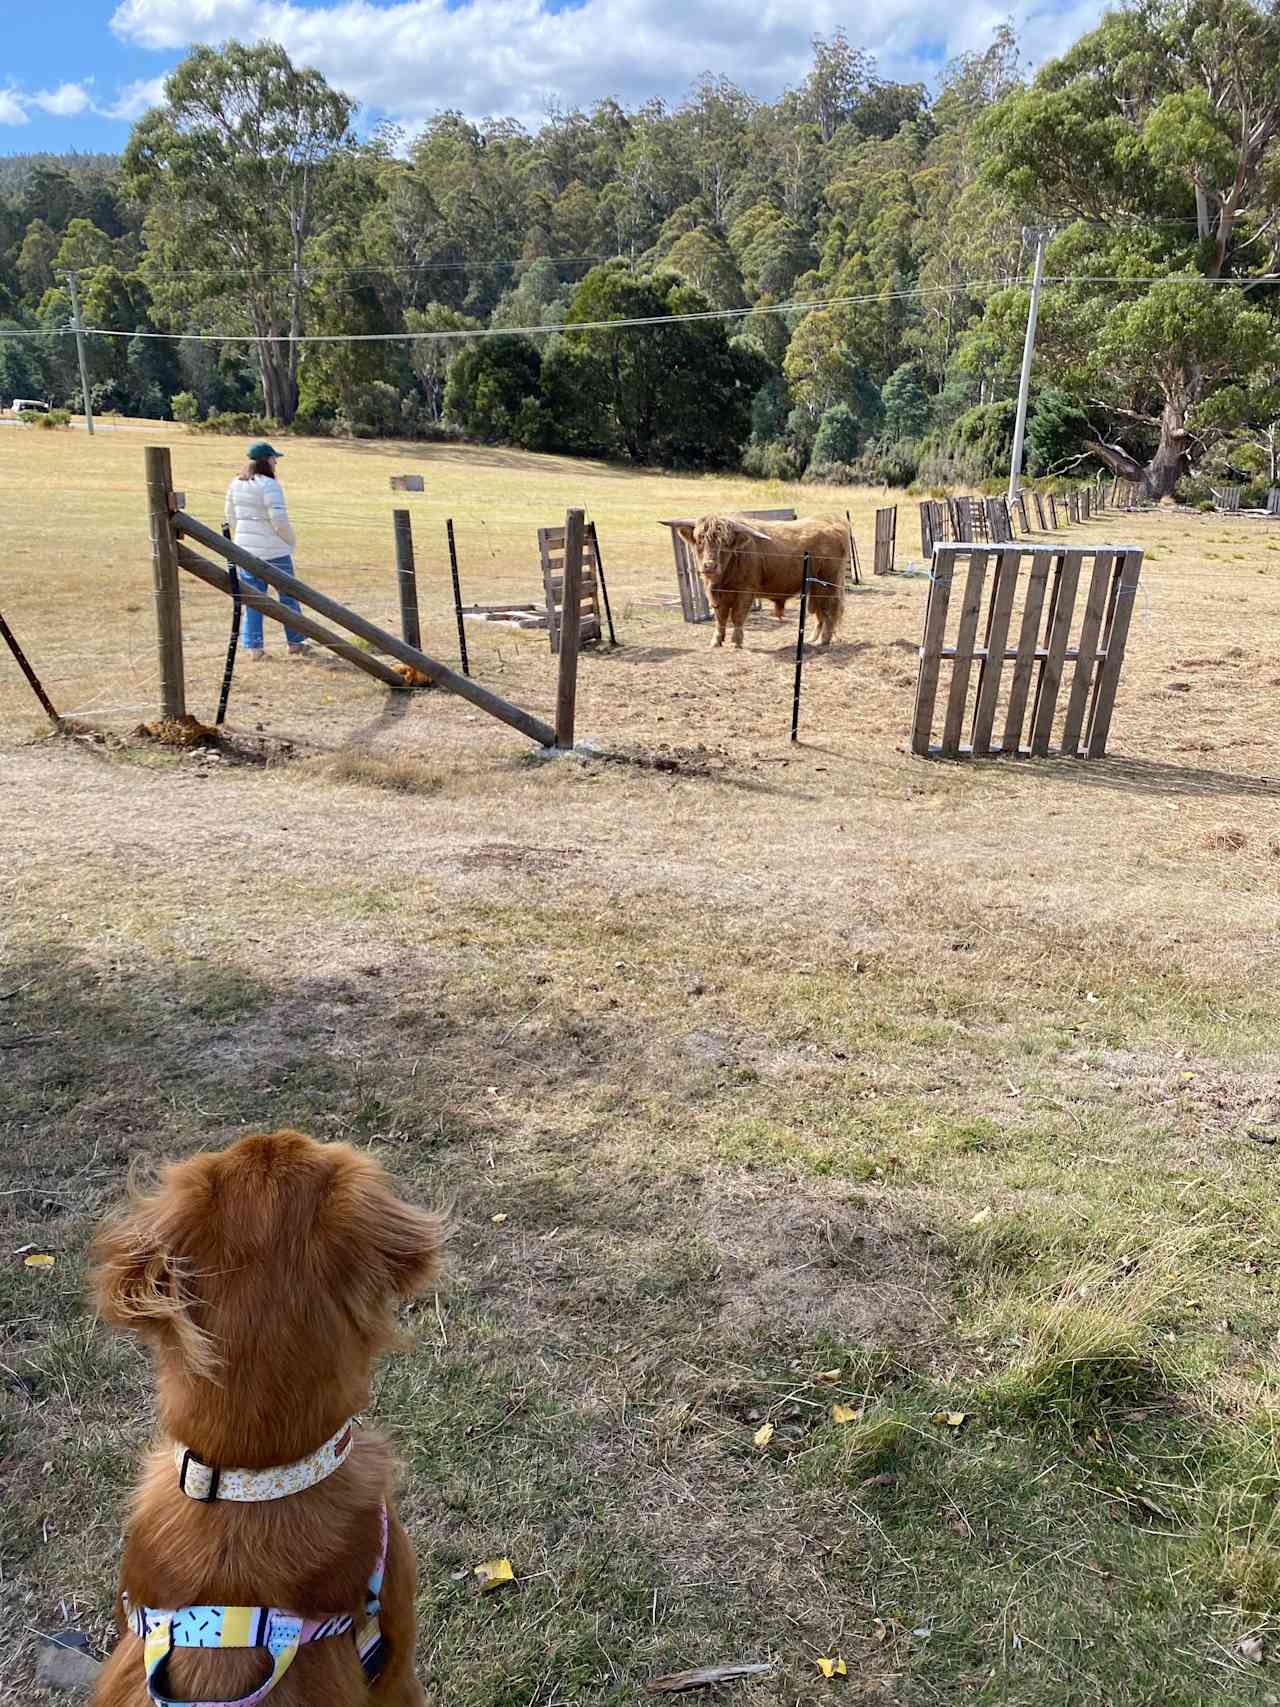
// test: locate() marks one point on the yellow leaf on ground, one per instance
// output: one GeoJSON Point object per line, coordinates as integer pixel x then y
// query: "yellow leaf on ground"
{"type": "Point", "coordinates": [980, 1219]}
{"type": "Point", "coordinates": [497, 1220]}
{"type": "Point", "coordinates": [828, 1375]}
{"type": "Point", "coordinates": [38, 1259]}
{"type": "Point", "coordinates": [831, 1668]}
{"type": "Point", "coordinates": [493, 1573]}
{"type": "Point", "coordinates": [950, 1419]}
{"type": "Point", "coordinates": [845, 1413]}
{"type": "Point", "coordinates": [763, 1435]}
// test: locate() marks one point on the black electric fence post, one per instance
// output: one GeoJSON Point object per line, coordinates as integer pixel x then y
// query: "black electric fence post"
{"type": "Point", "coordinates": [604, 585]}
{"type": "Point", "coordinates": [804, 612]}
{"type": "Point", "coordinates": [7, 633]}
{"type": "Point", "coordinates": [233, 642]}
{"type": "Point", "coordinates": [457, 598]}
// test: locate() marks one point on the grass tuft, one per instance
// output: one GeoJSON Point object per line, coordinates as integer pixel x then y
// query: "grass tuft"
{"type": "Point", "coordinates": [399, 773]}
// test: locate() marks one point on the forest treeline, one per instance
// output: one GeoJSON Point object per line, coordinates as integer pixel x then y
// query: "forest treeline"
{"type": "Point", "coordinates": [873, 240]}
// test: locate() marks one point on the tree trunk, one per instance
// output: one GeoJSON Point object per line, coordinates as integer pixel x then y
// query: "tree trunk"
{"type": "Point", "coordinates": [1159, 476]}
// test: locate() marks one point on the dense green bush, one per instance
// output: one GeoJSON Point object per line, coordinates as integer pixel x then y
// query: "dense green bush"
{"type": "Point", "coordinates": [777, 461]}
{"type": "Point", "coordinates": [233, 422]}
{"type": "Point", "coordinates": [53, 418]}
{"type": "Point", "coordinates": [830, 474]}
{"type": "Point", "coordinates": [185, 406]}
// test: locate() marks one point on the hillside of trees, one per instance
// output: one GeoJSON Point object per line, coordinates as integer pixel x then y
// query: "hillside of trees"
{"type": "Point", "coordinates": [873, 239]}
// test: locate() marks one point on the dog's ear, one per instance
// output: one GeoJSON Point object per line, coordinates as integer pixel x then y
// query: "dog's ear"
{"type": "Point", "coordinates": [386, 1249]}
{"type": "Point", "coordinates": [141, 1285]}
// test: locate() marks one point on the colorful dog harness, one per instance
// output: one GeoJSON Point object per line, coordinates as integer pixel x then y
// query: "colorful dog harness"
{"type": "Point", "coordinates": [281, 1633]}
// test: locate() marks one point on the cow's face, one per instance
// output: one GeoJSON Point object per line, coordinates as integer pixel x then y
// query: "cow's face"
{"type": "Point", "coordinates": [714, 542]}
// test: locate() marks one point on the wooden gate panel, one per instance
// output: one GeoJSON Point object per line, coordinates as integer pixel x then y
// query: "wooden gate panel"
{"type": "Point", "coordinates": [1045, 665]}
{"type": "Point", "coordinates": [551, 549]}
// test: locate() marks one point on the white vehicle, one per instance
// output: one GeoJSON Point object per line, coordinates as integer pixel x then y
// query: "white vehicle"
{"type": "Point", "coordinates": [31, 403]}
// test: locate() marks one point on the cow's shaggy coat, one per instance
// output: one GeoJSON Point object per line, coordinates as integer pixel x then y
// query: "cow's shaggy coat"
{"type": "Point", "coordinates": [744, 561]}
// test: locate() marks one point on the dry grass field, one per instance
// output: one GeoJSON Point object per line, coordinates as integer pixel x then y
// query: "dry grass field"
{"type": "Point", "coordinates": [759, 1080]}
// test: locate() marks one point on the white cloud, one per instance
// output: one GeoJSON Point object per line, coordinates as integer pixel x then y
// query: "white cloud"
{"type": "Point", "coordinates": [409, 58]}
{"type": "Point", "coordinates": [65, 101]}
{"type": "Point", "coordinates": [12, 109]}
{"type": "Point", "coordinates": [135, 99]}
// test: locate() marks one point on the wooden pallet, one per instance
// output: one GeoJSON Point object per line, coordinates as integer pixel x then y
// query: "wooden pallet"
{"type": "Point", "coordinates": [694, 603]}
{"type": "Point", "coordinates": [551, 546]}
{"type": "Point", "coordinates": [999, 527]}
{"type": "Point", "coordinates": [1228, 500]}
{"type": "Point", "coordinates": [408, 483]}
{"type": "Point", "coordinates": [1273, 501]}
{"type": "Point", "coordinates": [1038, 584]}
{"type": "Point", "coordinates": [886, 540]}
{"type": "Point", "coordinates": [933, 525]}
{"type": "Point", "coordinates": [1086, 502]}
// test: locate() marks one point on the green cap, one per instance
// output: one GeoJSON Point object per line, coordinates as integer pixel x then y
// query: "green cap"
{"type": "Point", "coordinates": [261, 451]}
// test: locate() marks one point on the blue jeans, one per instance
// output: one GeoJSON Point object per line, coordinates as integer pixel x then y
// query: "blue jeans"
{"type": "Point", "coordinates": [251, 632]}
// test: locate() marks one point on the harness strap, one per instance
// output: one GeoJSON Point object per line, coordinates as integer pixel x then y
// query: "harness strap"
{"type": "Point", "coordinates": [280, 1633]}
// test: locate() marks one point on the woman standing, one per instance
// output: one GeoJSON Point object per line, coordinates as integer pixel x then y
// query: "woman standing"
{"type": "Point", "coordinates": [259, 521]}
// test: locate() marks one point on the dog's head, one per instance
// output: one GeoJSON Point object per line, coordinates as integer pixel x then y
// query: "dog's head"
{"type": "Point", "coordinates": [264, 1279]}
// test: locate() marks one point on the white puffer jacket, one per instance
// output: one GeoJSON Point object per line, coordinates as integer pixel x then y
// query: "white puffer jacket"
{"type": "Point", "coordinates": [257, 517]}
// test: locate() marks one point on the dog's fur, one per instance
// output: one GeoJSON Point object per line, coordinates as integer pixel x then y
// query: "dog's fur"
{"type": "Point", "coordinates": [264, 1280]}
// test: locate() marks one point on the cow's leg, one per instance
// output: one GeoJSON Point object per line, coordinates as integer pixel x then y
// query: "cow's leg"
{"type": "Point", "coordinates": [780, 609]}
{"type": "Point", "coordinates": [742, 603]}
{"type": "Point", "coordinates": [721, 604]}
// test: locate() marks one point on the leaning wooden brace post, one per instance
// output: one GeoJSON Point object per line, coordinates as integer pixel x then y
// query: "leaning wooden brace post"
{"type": "Point", "coordinates": [570, 619]}
{"type": "Point", "coordinates": [604, 585]}
{"type": "Point", "coordinates": [484, 699]}
{"type": "Point", "coordinates": [164, 570]}
{"type": "Point", "coordinates": [406, 578]}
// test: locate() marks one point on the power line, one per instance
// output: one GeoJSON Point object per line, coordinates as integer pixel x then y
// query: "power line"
{"type": "Point", "coordinates": [705, 314]}
{"type": "Point", "coordinates": [708, 314]}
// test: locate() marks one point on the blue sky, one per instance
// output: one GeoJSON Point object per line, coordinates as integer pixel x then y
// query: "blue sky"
{"type": "Point", "coordinates": [74, 73]}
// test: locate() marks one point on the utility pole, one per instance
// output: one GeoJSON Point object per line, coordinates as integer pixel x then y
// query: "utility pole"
{"type": "Point", "coordinates": [74, 282]}
{"type": "Point", "coordinates": [1024, 384]}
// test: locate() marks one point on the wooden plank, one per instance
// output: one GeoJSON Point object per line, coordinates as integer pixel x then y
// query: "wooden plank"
{"type": "Point", "coordinates": [886, 536]}
{"type": "Point", "coordinates": [161, 504]}
{"type": "Point", "coordinates": [1115, 638]}
{"type": "Point", "coordinates": [570, 624]}
{"type": "Point", "coordinates": [1086, 652]}
{"type": "Point", "coordinates": [548, 596]}
{"type": "Point", "coordinates": [1038, 501]}
{"type": "Point", "coordinates": [1028, 642]}
{"type": "Point", "coordinates": [996, 650]}
{"type": "Point", "coordinates": [406, 577]}
{"type": "Point", "coordinates": [214, 576]}
{"type": "Point", "coordinates": [1063, 608]}
{"type": "Point", "coordinates": [962, 665]}
{"type": "Point", "coordinates": [935, 627]}
{"type": "Point", "coordinates": [484, 699]}
{"type": "Point", "coordinates": [1086, 499]}
{"type": "Point", "coordinates": [1023, 521]}
{"type": "Point", "coordinates": [1053, 512]}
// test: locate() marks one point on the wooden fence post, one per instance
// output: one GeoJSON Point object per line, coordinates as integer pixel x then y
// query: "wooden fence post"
{"type": "Point", "coordinates": [406, 578]}
{"type": "Point", "coordinates": [570, 618]}
{"type": "Point", "coordinates": [164, 568]}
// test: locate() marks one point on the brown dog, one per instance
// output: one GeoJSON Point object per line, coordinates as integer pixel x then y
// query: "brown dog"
{"type": "Point", "coordinates": [264, 1280]}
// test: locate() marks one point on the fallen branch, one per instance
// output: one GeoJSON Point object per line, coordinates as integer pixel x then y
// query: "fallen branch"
{"type": "Point", "coordinates": [704, 1677]}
